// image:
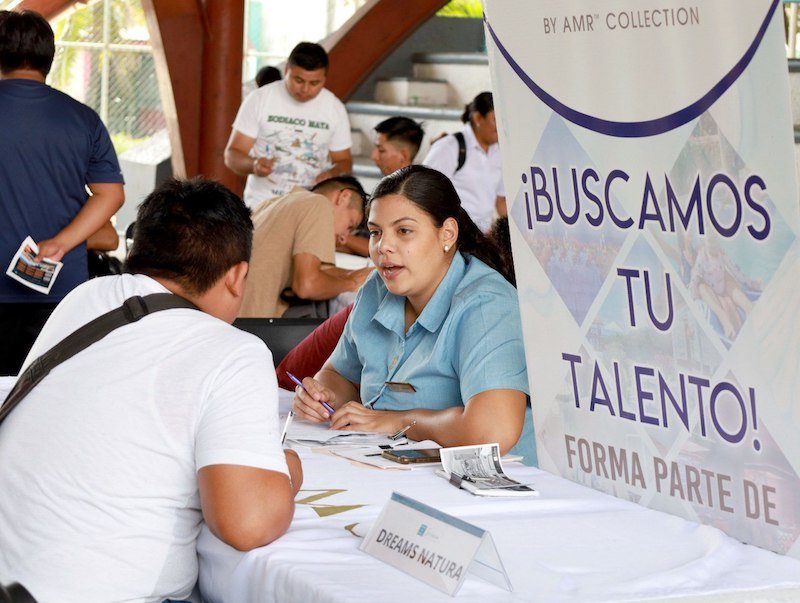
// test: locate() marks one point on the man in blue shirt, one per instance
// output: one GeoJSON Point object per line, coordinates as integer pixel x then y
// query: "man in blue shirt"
{"type": "Point", "coordinates": [52, 149]}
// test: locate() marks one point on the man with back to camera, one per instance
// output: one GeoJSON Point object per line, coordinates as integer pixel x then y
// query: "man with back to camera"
{"type": "Point", "coordinates": [114, 459]}
{"type": "Point", "coordinates": [294, 246]}
{"type": "Point", "coordinates": [397, 141]}
{"type": "Point", "coordinates": [293, 132]}
{"type": "Point", "coordinates": [52, 148]}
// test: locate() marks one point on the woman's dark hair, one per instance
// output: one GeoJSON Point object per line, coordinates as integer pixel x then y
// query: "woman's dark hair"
{"type": "Point", "coordinates": [483, 104]}
{"type": "Point", "coordinates": [191, 232]}
{"type": "Point", "coordinates": [26, 42]}
{"type": "Point", "coordinates": [433, 193]}
{"type": "Point", "coordinates": [502, 238]}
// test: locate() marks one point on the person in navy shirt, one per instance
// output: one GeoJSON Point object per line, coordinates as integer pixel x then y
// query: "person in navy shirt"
{"type": "Point", "coordinates": [434, 339]}
{"type": "Point", "coordinates": [52, 148]}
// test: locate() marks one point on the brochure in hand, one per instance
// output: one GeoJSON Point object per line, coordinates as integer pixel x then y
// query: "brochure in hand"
{"type": "Point", "coordinates": [39, 276]}
{"type": "Point", "coordinates": [478, 470]}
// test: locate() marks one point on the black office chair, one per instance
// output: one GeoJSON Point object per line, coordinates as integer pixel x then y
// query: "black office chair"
{"type": "Point", "coordinates": [15, 593]}
{"type": "Point", "coordinates": [280, 334]}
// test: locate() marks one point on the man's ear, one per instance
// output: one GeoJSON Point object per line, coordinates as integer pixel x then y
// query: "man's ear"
{"type": "Point", "coordinates": [405, 152]}
{"type": "Point", "coordinates": [342, 197]}
{"type": "Point", "coordinates": [235, 279]}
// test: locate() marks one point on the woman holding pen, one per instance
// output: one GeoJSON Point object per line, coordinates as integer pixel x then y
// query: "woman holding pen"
{"type": "Point", "coordinates": [433, 343]}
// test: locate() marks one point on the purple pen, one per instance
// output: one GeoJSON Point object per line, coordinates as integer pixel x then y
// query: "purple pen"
{"type": "Point", "coordinates": [327, 406]}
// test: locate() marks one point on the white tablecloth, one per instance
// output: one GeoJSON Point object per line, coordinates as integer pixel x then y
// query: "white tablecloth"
{"type": "Point", "coordinates": [571, 544]}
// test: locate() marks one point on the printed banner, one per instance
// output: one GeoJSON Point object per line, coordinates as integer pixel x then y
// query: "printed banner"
{"type": "Point", "coordinates": [648, 157]}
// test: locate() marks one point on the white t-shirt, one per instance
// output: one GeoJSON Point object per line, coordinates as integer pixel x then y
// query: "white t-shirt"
{"type": "Point", "coordinates": [297, 135]}
{"type": "Point", "coordinates": [98, 482]}
{"type": "Point", "coordinates": [479, 181]}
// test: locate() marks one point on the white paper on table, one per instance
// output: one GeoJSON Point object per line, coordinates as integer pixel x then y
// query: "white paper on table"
{"type": "Point", "coordinates": [307, 433]}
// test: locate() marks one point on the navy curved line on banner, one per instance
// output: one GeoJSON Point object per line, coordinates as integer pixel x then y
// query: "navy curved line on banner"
{"type": "Point", "coordinates": [638, 129]}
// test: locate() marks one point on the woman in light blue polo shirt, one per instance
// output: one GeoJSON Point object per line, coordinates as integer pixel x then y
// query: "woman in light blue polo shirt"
{"type": "Point", "coordinates": [434, 340]}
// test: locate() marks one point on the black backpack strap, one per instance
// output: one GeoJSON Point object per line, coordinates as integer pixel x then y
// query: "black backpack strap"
{"type": "Point", "coordinates": [462, 149]}
{"type": "Point", "coordinates": [132, 309]}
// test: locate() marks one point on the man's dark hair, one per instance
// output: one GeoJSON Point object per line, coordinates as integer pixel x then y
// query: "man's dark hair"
{"type": "Point", "coordinates": [338, 183]}
{"type": "Point", "coordinates": [267, 75]}
{"type": "Point", "coordinates": [309, 56]}
{"type": "Point", "coordinates": [190, 232]}
{"type": "Point", "coordinates": [403, 129]}
{"type": "Point", "coordinates": [26, 42]}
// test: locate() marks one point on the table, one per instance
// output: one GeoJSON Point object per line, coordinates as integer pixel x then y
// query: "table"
{"type": "Point", "coordinates": [351, 261]}
{"type": "Point", "coordinates": [570, 544]}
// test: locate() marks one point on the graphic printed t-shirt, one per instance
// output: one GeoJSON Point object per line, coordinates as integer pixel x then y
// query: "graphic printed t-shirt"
{"type": "Point", "coordinates": [299, 136]}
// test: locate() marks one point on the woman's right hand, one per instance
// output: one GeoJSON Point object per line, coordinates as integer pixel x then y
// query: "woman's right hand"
{"type": "Point", "coordinates": [308, 401]}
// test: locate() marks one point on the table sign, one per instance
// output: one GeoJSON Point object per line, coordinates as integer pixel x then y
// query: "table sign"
{"type": "Point", "coordinates": [432, 546]}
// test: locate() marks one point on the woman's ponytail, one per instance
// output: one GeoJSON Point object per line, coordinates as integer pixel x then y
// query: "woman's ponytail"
{"type": "Point", "coordinates": [473, 242]}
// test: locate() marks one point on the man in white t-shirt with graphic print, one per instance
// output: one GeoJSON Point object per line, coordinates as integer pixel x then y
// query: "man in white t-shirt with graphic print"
{"type": "Point", "coordinates": [293, 132]}
{"type": "Point", "coordinates": [113, 461]}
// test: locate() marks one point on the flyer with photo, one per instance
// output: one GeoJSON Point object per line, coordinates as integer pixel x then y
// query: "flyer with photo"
{"type": "Point", "coordinates": [478, 470]}
{"type": "Point", "coordinates": [24, 268]}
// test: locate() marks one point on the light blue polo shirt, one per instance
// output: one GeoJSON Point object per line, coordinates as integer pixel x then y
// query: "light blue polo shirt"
{"type": "Point", "coordinates": [467, 340]}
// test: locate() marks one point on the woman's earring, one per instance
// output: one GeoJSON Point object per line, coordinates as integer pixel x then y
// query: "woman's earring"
{"type": "Point", "coordinates": [446, 248]}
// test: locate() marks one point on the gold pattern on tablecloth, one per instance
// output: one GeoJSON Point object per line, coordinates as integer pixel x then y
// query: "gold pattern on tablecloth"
{"type": "Point", "coordinates": [323, 510]}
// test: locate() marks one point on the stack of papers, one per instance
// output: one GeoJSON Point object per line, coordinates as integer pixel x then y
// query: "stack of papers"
{"type": "Point", "coordinates": [306, 433]}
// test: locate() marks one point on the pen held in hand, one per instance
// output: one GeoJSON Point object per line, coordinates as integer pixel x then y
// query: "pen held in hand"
{"type": "Point", "coordinates": [327, 406]}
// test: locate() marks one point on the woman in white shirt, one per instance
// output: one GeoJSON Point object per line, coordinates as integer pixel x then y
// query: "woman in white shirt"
{"type": "Point", "coordinates": [473, 163]}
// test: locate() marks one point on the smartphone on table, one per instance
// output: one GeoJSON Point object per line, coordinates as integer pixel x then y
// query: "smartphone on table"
{"type": "Point", "coordinates": [421, 455]}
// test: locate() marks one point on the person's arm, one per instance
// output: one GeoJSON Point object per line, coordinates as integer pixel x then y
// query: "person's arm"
{"type": "Point", "coordinates": [500, 206]}
{"type": "Point", "coordinates": [310, 281]}
{"type": "Point", "coordinates": [342, 163]}
{"type": "Point", "coordinates": [247, 507]}
{"type": "Point", "coordinates": [354, 244]}
{"type": "Point", "coordinates": [106, 199]}
{"type": "Point", "coordinates": [105, 239]}
{"type": "Point", "coordinates": [492, 416]}
{"type": "Point", "coordinates": [238, 159]}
